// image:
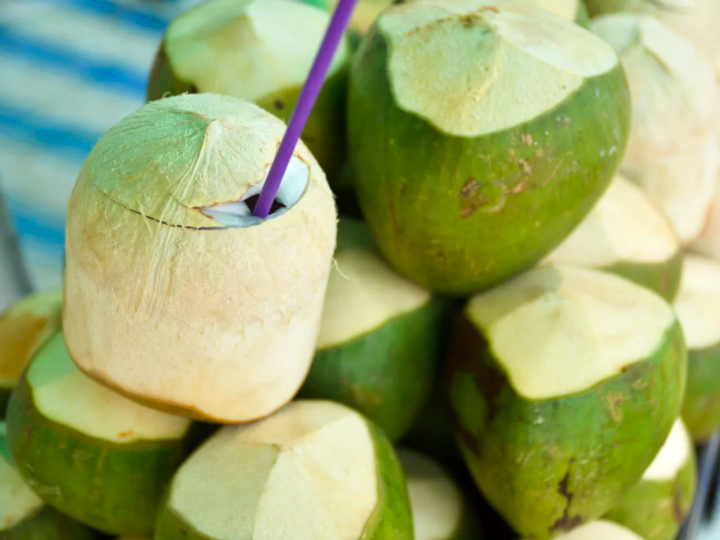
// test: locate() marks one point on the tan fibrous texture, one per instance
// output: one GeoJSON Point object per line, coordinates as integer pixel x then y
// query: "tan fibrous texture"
{"type": "Point", "coordinates": [673, 148]}
{"type": "Point", "coordinates": [168, 306]}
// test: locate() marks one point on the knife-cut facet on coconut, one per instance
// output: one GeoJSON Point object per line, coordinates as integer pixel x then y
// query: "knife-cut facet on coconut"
{"type": "Point", "coordinates": [600, 530]}
{"type": "Point", "coordinates": [696, 20]}
{"type": "Point", "coordinates": [90, 453]}
{"type": "Point", "coordinates": [25, 327]}
{"type": "Point", "coordinates": [23, 515]}
{"type": "Point", "coordinates": [378, 343]}
{"type": "Point", "coordinates": [173, 295]}
{"type": "Point", "coordinates": [365, 14]}
{"type": "Point", "coordinates": [698, 308]}
{"type": "Point", "coordinates": [438, 507]}
{"type": "Point", "coordinates": [314, 469]}
{"type": "Point", "coordinates": [708, 243]}
{"type": "Point", "coordinates": [564, 385]}
{"type": "Point", "coordinates": [467, 169]}
{"type": "Point", "coordinates": [673, 148]}
{"type": "Point", "coordinates": [259, 51]}
{"type": "Point", "coordinates": [660, 502]}
{"type": "Point", "coordinates": [626, 235]}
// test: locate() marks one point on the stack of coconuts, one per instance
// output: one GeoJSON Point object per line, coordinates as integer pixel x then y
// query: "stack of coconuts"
{"type": "Point", "coordinates": [517, 306]}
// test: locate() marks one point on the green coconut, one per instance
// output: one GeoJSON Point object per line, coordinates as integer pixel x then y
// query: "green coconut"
{"type": "Point", "coordinates": [660, 503]}
{"type": "Point", "coordinates": [698, 308]}
{"type": "Point", "coordinates": [672, 152]}
{"type": "Point", "coordinates": [626, 235]}
{"type": "Point", "coordinates": [564, 385]}
{"type": "Point", "coordinates": [23, 515]}
{"type": "Point", "coordinates": [175, 295]}
{"type": "Point", "coordinates": [365, 14]}
{"type": "Point", "coordinates": [315, 469]}
{"type": "Point", "coordinates": [378, 341]}
{"type": "Point", "coordinates": [25, 327]}
{"type": "Point", "coordinates": [600, 530]}
{"type": "Point", "coordinates": [88, 452]}
{"type": "Point", "coordinates": [260, 51]}
{"type": "Point", "coordinates": [467, 169]}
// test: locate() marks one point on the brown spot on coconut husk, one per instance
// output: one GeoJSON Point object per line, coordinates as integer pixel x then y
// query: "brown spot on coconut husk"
{"type": "Point", "coordinates": [566, 522]}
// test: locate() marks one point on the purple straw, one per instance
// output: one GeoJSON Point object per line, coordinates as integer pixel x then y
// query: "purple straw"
{"type": "Point", "coordinates": [304, 106]}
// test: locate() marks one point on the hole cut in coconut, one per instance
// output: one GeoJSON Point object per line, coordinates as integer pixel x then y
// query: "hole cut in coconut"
{"type": "Point", "coordinates": [240, 213]}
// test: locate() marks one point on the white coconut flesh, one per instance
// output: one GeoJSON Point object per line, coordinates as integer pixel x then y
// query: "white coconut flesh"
{"type": "Point", "coordinates": [708, 243]}
{"type": "Point", "coordinates": [363, 294]}
{"type": "Point", "coordinates": [511, 62]}
{"type": "Point", "coordinates": [623, 227]}
{"type": "Point", "coordinates": [248, 48]}
{"type": "Point", "coordinates": [64, 395]}
{"type": "Point", "coordinates": [24, 327]}
{"type": "Point", "coordinates": [698, 302]}
{"type": "Point", "coordinates": [600, 530]}
{"type": "Point", "coordinates": [309, 471]}
{"type": "Point", "coordinates": [239, 214]}
{"type": "Point", "coordinates": [17, 500]}
{"type": "Point", "coordinates": [672, 457]}
{"type": "Point", "coordinates": [435, 501]}
{"type": "Point", "coordinates": [567, 9]}
{"type": "Point", "coordinates": [560, 330]}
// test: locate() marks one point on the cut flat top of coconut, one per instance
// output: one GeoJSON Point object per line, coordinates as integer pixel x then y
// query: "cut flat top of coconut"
{"type": "Point", "coordinates": [248, 48]}
{"type": "Point", "coordinates": [600, 530]}
{"type": "Point", "coordinates": [567, 9]}
{"type": "Point", "coordinates": [63, 394]}
{"type": "Point", "coordinates": [17, 500]}
{"type": "Point", "coordinates": [623, 227]}
{"type": "Point", "coordinates": [24, 327]}
{"type": "Point", "coordinates": [494, 47]}
{"type": "Point", "coordinates": [308, 471]}
{"type": "Point", "coordinates": [558, 330]}
{"type": "Point", "coordinates": [698, 302]}
{"type": "Point", "coordinates": [436, 503]}
{"type": "Point", "coordinates": [674, 454]}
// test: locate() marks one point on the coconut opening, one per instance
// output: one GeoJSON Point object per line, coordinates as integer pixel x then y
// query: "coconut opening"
{"type": "Point", "coordinates": [672, 456]}
{"type": "Point", "coordinates": [240, 213]}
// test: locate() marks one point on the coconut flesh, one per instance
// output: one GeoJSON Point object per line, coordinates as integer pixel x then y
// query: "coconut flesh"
{"type": "Point", "coordinates": [672, 153]}
{"type": "Point", "coordinates": [672, 457]}
{"type": "Point", "coordinates": [173, 295]}
{"type": "Point", "coordinates": [708, 243]}
{"type": "Point", "coordinates": [600, 530]}
{"type": "Point", "coordinates": [698, 302]}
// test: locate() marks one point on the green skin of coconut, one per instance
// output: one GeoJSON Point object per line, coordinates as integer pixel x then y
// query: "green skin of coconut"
{"type": "Point", "coordinates": [488, 210]}
{"type": "Point", "coordinates": [392, 519]}
{"type": "Point", "coordinates": [114, 488]}
{"type": "Point", "coordinates": [324, 132]}
{"type": "Point", "coordinates": [48, 524]}
{"type": "Point", "coordinates": [656, 510]}
{"type": "Point", "coordinates": [547, 477]}
{"type": "Point", "coordinates": [661, 278]}
{"type": "Point", "coordinates": [701, 408]}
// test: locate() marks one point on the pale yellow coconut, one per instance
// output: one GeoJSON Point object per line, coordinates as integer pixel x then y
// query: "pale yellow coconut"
{"type": "Point", "coordinates": [673, 148]}
{"type": "Point", "coordinates": [174, 296]}
{"type": "Point", "coordinates": [708, 243]}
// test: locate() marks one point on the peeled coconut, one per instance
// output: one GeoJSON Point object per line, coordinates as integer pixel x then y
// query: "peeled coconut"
{"type": "Point", "coordinates": [23, 515]}
{"type": "Point", "coordinates": [600, 530]}
{"type": "Point", "coordinates": [315, 469]}
{"type": "Point", "coordinates": [698, 308]}
{"type": "Point", "coordinates": [626, 235]}
{"type": "Point", "coordinates": [467, 169]}
{"type": "Point", "coordinates": [564, 385]}
{"type": "Point", "coordinates": [174, 294]}
{"type": "Point", "coordinates": [365, 14]}
{"type": "Point", "coordinates": [673, 149]}
{"type": "Point", "coordinates": [25, 327]}
{"type": "Point", "coordinates": [90, 453]}
{"type": "Point", "coordinates": [259, 51]}
{"type": "Point", "coordinates": [378, 344]}
{"type": "Point", "coordinates": [708, 243]}
{"type": "Point", "coordinates": [660, 503]}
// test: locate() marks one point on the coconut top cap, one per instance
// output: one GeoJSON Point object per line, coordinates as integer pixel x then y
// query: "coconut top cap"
{"type": "Point", "coordinates": [567, 9]}
{"type": "Point", "coordinates": [472, 67]}
{"type": "Point", "coordinates": [248, 48]}
{"type": "Point", "coordinates": [600, 530]}
{"type": "Point", "coordinates": [698, 302]}
{"type": "Point", "coordinates": [673, 456]}
{"type": "Point", "coordinates": [173, 157]}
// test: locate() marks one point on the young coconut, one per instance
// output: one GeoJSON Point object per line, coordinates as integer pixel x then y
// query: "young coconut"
{"type": "Point", "coordinates": [565, 384]}
{"type": "Point", "coordinates": [438, 508]}
{"type": "Point", "coordinates": [23, 515]}
{"type": "Point", "coordinates": [315, 469]}
{"type": "Point", "coordinates": [90, 453]}
{"type": "Point", "coordinates": [600, 530]}
{"type": "Point", "coordinates": [660, 503]}
{"type": "Point", "coordinates": [698, 308]}
{"type": "Point", "coordinates": [673, 148]}
{"type": "Point", "coordinates": [365, 14]}
{"type": "Point", "coordinates": [708, 243]}
{"type": "Point", "coordinates": [378, 342]}
{"type": "Point", "coordinates": [198, 307]}
{"type": "Point", "coordinates": [259, 51]}
{"type": "Point", "coordinates": [627, 235]}
{"type": "Point", "coordinates": [24, 328]}
{"type": "Point", "coordinates": [467, 170]}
